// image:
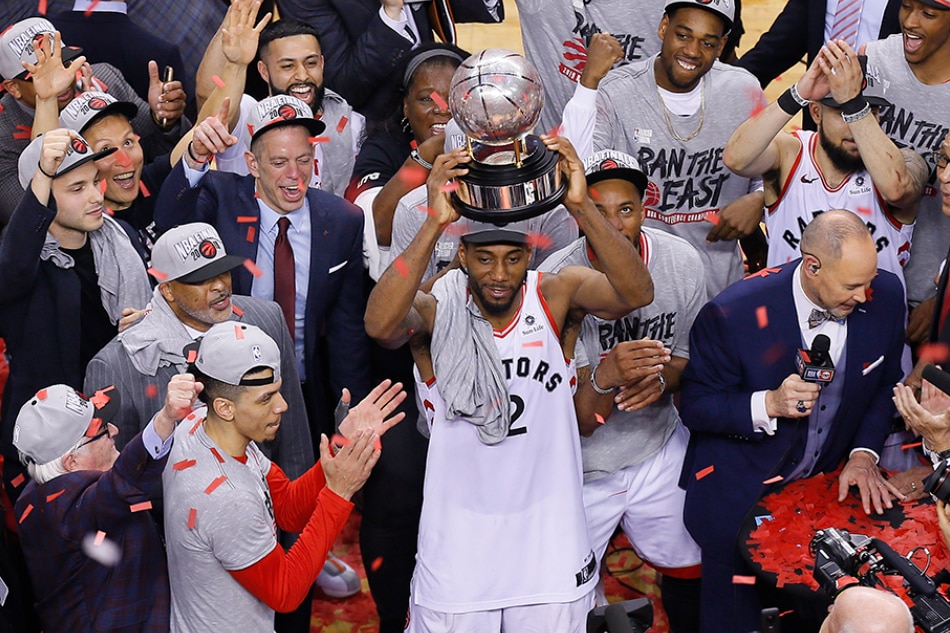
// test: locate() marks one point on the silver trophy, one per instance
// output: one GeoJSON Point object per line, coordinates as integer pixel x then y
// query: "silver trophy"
{"type": "Point", "coordinates": [496, 98]}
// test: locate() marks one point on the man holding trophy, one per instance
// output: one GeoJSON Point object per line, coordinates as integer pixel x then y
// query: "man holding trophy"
{"type": "Point", "coordinates": [503, 480]}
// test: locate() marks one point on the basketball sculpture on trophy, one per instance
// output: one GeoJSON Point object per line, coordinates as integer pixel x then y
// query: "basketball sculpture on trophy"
{"type": "Point", "coordinates": [496, 98]}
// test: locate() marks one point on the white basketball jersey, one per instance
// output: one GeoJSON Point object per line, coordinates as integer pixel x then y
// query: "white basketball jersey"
{"type": "Point", "coordinates": [805, 194]}
{"type": "Point", "coordinates": [504, 525]}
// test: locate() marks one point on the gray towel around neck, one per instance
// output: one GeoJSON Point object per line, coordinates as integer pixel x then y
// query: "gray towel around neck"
{"type": "Point", "coordinates": [465, 360]}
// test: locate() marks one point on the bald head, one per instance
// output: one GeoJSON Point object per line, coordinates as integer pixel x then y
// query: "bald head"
{"type": "Point", "coordinates": [828, 232]}
{"type": "Point", "coordinates": [866, 610]}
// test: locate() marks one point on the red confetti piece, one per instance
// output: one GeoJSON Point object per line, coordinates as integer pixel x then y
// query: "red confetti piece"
{"type": "Point", "coordinates": [377, 444]}
{"type": "Point", "coordinates": [705, 471]}
{"type": "Point", "coordinates": [412, 176]}
{"type": "Point", "coordinates": [600, 419]}
{"type": "Point", "coordinates": [217, 455]}
{"type": "Point", "coordinates": [192, 355]}
{"type": "Point", "coordinates": [100, 537]}
{"type": "Point", "coordinates": [864, 210]}
{"type": "Point", "coordinates": [250, 129]}
{"type": "Point", "coordinates": [539, 240]}
{"type": "Point", "coordinates": [251, 234]}
{"type": "Point", "coordinates": [533, 344]}
{"type": "Point", "coordinates": [449, 187]}
{"type": "Point", "coordinates": [427, 210]}
{"type": "Point", "coordinates": [214, 484]}
{"type": "Point", "coordinates": [21, 136]}
{"type": "Point", "coordinates": [439, 101]}
{"type": "Point", "coordinates": [41, 8]}
{"type": "Point", "coordinates": [159, 275]}
{"type": "Point", "coordinates": [935, 353]}
{"type": "Point", "coordinates": [192, 518]}
{"type": "Point", "coordinates": [141, 507]}
{"type": "Point", "coordinates": [54, 495]}
{"type": "Point", "coordinates": [108, 210]}
{"type": "Point", "coordinates": [195, 427]}
{"type": "Point", "coordinates": [41, 394]}
{"type": "Point", "coordinates": [238, 332]}
{"type": "Point", "coordinates": [339, 440]}
{"type": "Point", "coordinates": [911, 445]}
{"type": "Point", "coordinates": [376, 564]}
{"type": "Point", "coordinates": [101, 397]}
{"type": "Point", "coordinates": [762, 316]}
{"type": "Point", "coordinates": [94, 425]}
{"type": "Point", "coordinates": [743, 580]}
{"type": "Point", "coordinates": [784, 613]}
{"type": "Point", "coordinates": [556, 130]}
{"type": "Point", "coordinates": [252, 267]}
{"type": "Point", "coordinates": [102, 186]}
{"type": "Point", "coordinates": [91, 8]}
{"type": "Point", "coordinates": [236, 310]}
{"type": "Point", "coordinates": [151, 391]}
{"type": "Point", "coordinates": [413, 144]}
{"type": "Point", "coordinates": [342, 124]}
{"type": "Point", "coordinates": [145, 192]}
{"type": "Point", "coordinates": [217, 81]}
{"type": "Point", "coordinates": [319, 139]}
{"type": "Point", "coordinates": [712, 217]}
{"type": "Point", "coordinates": [246, 219]}
{"type": "Point", "coordinates": [26, 513]}
{"type": "Point", "coordinates": [18, 480]}
{"type": "Point", "coordinates": [773, 480]}
{"type": "Point", "coordinates": [401, 267]}
{"type": "Point", "coordinates": [869, 294]}
{"type": "Point", "coordinates": [594, 194]}
{"type": "Point", "coordinates": [184, 464]}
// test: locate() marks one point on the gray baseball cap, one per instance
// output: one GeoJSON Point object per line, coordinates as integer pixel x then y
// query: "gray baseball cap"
{"type": "Point", "coordinates": [58, 417]}
{"type": "Point", "coordinates": [873, 89]}
{"type": "Point", "coordinates": [78, 153]}
{"type": "Point", "coordinates": [230, 350]}
{"type": "Point", "coordinates": [16, 46]}
{"type": "Point", "coordinates": [491, 234]}
{"type": "Point", "coordinates": [609, 164]}
{"type": "Point", "coordinates": [191, 253]}
{"type": "Point", "coordinates": [726, 9]}
{"type": "Point", "coordinates": [282, 110]}
{"type": "Point", "coordinates": [89, 107]}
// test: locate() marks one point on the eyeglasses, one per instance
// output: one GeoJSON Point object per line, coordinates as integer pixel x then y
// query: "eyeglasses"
{"type": "Point", "coordinates": [938, 158]}
{"type": "Point", "coordinates": [104, 431]}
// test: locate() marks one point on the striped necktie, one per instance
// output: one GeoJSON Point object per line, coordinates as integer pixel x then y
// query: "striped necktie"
{"type": "Point", "coordinates": [847, 19]}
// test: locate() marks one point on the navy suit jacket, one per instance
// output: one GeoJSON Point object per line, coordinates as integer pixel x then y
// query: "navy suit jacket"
{"type": "Point", "coordinates": [731, 357]}
{"type": "Point", "coordinates": [335, 301]}
{"type": "Point", "coordinates": [938, 335]}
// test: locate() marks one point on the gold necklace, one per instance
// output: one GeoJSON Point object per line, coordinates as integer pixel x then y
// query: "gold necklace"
{"type": "Point", "coordinates": [702, 115]}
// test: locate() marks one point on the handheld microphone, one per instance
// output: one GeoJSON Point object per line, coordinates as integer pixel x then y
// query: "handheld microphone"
{"type": "Point", "coordinates": [815, 365]}
{"type": "Point", "coordinates": [938, 378]}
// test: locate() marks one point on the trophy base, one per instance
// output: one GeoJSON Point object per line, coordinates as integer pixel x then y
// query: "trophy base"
{"type": "Point", "coordinates": [504, 193]}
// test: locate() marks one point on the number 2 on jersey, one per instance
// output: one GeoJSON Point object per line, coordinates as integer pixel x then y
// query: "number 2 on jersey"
{"type": "Point", "coordinates": [518, 403]}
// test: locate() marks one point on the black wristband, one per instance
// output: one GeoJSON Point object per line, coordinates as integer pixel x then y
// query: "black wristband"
{"type": "Point", "coordinates": [854, 105]}
{"type": "Point", "coordinates": [191, 155]}
{"type": "Point", "coordinates": [788, 104]}
{"type": "Point", "coordinates": [43, 171]}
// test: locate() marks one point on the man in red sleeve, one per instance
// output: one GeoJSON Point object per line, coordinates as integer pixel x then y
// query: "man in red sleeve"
{"type": "Point", "coordinates": [224, 500]}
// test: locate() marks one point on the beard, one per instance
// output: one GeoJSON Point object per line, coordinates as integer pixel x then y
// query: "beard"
{"type": "Point", "coordinates": [490, 305]}
{"type": "Point", "coordinates": [842, 160]}
{"type": "Point", "coordinates": [318, 92]}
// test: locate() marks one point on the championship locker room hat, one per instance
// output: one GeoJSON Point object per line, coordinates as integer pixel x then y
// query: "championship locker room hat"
{"type": "Point", "coordinates": [191, 253]}
{"type": "Point", "coordinates": [726, 9]}
{"type": "Point", "coordinates": [16, 46]}
{"type": "Point", "coordinates": [609, 164]}
{"type": "Point", "coordinates": [58, 417]}
{"type": "Point", "coordinates": [282, 110]}
{"type": "Point", "coordinates": [939, 4]}
{"type": "Point", "coordinates": [78, 153]}
{"type": "Point", "coordinates": [229, 350]}
{"type": "Point", "coordinates": [89, 107]}
{"type": "Point", "coordinates": [873, 88]}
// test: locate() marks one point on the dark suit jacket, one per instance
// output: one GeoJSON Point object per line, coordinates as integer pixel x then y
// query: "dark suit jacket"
{"type": "Point", "coordinates": [938, 335]}
{"type": "Point", "coordinates": [74, 592]}
{"type": "Point", "coordinates": [731, 357]}
{"type": "Point", "coordinates": [799, 30]}
{"type": "Point", "coordinates": [335, 301]}
{"type": "Point", "coordinates": [361, 51]}
{"type": "Point", "coordinates": [115, 39]}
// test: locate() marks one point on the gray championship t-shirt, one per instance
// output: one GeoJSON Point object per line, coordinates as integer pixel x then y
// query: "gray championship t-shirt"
{"type": "Point", "coordinates": [556, 33]}
{"type": "Point", "coordinates": [919, 119]}
{"type": "Point", "coordinates": [630, 438]}
{"type": "Point", "coordinates": [219, 517]}
{"type": "Point", "coordinates": [688, 180]}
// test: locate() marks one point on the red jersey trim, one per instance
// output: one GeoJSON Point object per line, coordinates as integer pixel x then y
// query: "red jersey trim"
{"type": "Point", "coordinates": [788, 180]}
{"type": "Point", "coordinates": [547, 310]}
{"type": "Point", "coordinates": [502, 333]}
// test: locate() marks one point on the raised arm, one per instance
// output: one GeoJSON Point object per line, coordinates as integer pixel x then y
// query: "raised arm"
{"type": "Point", "coordinates": [627, 285]}
{"type": "Point", "coordinates": [396, 309]}
{"type": "Point", "coordinates": [50, 79]}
